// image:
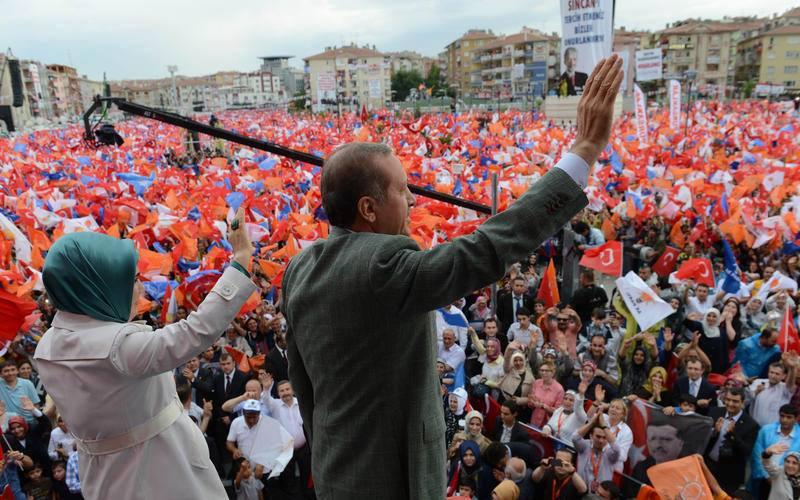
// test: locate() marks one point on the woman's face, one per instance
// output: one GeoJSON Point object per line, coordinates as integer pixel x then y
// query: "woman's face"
{"type": "Point", "coordinates": [712, 319]}
{"type": "Point", "coordinates": [675, 303]}
{"type": "Point", "coordinates": [731, 308]}
{"type": "Point", "coordinates": [519, 363]}
{"type": "Point", "coordinates": [25, 370]}
{"type": "Point", "coordinates": [791, 466]}
{"type": "Point", "coordinates": [475, 426]}
{"type": "Point", "coordinates": [638, 357]}
{"type": "Point", "coordinates": [546, 372]}
{"type": "Point", "coordinates": [491, 349]}
{"type": "Point", "coordinates": [753, 267]}
{"type": "Point", "coordinates": [587, 372]}
{"type": "Point", "coordinates": [657, 379]}
{"type": "Point", "coordinates": [616, 410]}
{"type": "Point", "coordinates": [469, 458]}
{"type": "Point", "coordinates": [453, 402]}
{"type": "Point", "coordinates": [538, 308]}
{"type": "Point", "coordinates": [569, 401]}
{"type": "Point", "coordinates": [754, 306]}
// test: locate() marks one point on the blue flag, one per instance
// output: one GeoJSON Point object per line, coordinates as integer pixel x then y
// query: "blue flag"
{"type": "Point", "coordinates": [454, 319]}
{"type": "Point", "coordinates": [732, 282]}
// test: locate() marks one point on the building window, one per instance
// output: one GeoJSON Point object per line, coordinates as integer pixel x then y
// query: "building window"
{"type": "Point", "coordinates": [790, 69]}
{"type": "Point", "coordinates": [792, 54]}
{"type": "Point", "coordinates": [770, 55]}
{"type": "Point", "coordinates": [792, 40]}
{"type": "Point", "coordinates": [770, 71]}
{"type": "Point", "coordinates": [790, 83]}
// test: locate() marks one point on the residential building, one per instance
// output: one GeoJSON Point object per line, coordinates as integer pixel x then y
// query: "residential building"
{"type": "Point", "coordinates": [519, 66]}
{"type": "Point", "coordinates": [291, 79]}
{"type": "Point", "coordinates": [463, 69]}
{"type": "Point", "coordinates": [626, 43]}
{"type": "Point", "coordinates": [65, 90]}
{"type": "Point", "coordinates": [707, 47]}
{"type": "Point", "coordinates": [771, 58]}
{"type": "Point", "coordinates": [89, 89]}
{"type": "Point", "coordinates": [351, 75]}
{"type": "Point", "coordinates": [37, 90]}
{"type": "Point", "coordinates": [11, 118]}
{"type": "Point", "coordinates": [408, 61]}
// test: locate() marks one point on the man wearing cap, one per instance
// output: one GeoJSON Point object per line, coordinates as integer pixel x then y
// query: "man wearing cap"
{"type": "Point", "coordinates": [241, 435]}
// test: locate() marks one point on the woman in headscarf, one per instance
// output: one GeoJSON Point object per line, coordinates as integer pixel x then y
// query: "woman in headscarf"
{"type": "Point", "coordinates": [784, 482]}
{"type": "Point", "coordinates": [516, 382]}
{"type": "Point", "coordinates": [112, 379]}
{"type": "Point", "coordinates": [466, 466]}
{"type": "Point", "coordinates": [713, 341]}
{"type": "Point", "coordinates": [492, 371]}
{"type": "Point", "coordinates": [753, 317]}
{"type": "Point", "coordinates": [634, 370]}
{"type": "Point", "coordinates": [654, 390]}
{"type": "Point", "coordinates": [453, 412]}
{"type": "Point", "coordinates": [473, 424]}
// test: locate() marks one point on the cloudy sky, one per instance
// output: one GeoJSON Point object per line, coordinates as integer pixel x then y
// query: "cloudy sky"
{"type": "Point", "coordinates": [202, 36]}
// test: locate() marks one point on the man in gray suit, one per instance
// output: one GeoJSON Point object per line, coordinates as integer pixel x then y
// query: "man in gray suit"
{"type": "Point", "coordinates": [362, 348]}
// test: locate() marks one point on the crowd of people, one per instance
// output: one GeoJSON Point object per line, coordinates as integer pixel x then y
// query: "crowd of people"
{"type": "Point", "coordinates": [536, 394]}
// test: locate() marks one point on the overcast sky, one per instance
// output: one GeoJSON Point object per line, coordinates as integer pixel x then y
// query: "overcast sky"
{"type": "Point", "coordinates": [202, 36]}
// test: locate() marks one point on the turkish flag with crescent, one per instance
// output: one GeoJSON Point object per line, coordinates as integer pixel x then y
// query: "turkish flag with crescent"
{"type": "Point", "coordinates": [606, 258]}
{"type": "Point", "coordinates": [699, 270]}
{"type": "Point", "coordinates": [788, 340]}
{"type": "Point", "coordinates": [666, 263]}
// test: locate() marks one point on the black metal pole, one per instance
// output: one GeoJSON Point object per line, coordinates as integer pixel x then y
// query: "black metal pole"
{"type": "Point", "coordinates": [189, 124]}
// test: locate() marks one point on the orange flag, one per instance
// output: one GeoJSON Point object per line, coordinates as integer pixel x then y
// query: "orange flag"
{"type": "Point", "coordinates": [676, 235]}
{"type": "Point", "coordinates": [682, 478]}
{"type": "Point", "coordinates": [548, 289]}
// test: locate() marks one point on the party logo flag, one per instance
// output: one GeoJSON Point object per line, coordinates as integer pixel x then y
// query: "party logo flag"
{"type": "Point", "coordinates": [644, 304]}
{"type": "Point", "coordinates": [548, 290]}
{"type": "Point", "coordinates": [682, 478]}
{"type": "Point", "coordinates": [606, 258]}
{"type": "Point", "coordinates": [778, 281]}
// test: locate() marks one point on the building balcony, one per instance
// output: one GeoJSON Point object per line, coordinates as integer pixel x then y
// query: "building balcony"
{"type": "Point", "coordinates": [497, 57]}
{"type": "Point", "coordinates": [486, 58]}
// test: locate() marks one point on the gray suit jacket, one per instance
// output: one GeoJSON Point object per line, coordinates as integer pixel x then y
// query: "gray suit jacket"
{"type": "Point", "coordinates": [362, 343]}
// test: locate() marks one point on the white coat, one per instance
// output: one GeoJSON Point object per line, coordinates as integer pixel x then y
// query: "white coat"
{"type": "Point", "coordinates": [108, 378]}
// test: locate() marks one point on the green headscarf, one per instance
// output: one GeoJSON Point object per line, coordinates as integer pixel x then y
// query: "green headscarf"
{"type": "Point", "coordinates": [91, 274]}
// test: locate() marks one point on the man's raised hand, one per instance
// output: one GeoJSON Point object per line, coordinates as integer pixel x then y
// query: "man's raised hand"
{"type": "Point", "coordinates": [596, 109]}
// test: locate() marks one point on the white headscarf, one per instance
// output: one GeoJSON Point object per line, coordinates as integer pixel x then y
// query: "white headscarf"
{"type": "Point", "coordinates": [711, 332]}
{"type": "Point", "coordinates": [461, 396]}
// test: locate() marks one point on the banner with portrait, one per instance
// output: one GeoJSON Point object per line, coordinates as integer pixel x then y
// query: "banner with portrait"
{"type": "Point", "coordinates": [587, 35]}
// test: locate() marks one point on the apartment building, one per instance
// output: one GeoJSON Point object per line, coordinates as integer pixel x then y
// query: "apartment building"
{"type": "Point", "coordinates": [463, 67]}
{"type": "Point", "coordinates": [772, 59]}
{"type": "Point", "coordinates": [351, 75]}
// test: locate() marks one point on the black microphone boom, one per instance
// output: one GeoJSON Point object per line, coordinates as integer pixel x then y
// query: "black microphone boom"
{"type": "Point", "coordinates": [270, 147]}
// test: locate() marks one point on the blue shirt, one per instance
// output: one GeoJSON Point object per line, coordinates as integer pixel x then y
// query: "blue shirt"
{"type": "Point", "coordinates": [768, 435]}
{"type": "Point", "coordinates": [753, 356]}
{"type": "Point", "coordinates": [11, 397]}
{"type": "Point", "coordinates": [71, 478]}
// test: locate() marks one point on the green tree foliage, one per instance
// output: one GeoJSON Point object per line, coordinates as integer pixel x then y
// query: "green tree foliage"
{"type": "Point", "coordinates": [403, 81]}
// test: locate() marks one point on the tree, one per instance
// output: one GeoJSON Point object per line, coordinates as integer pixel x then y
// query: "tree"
{"type": "Point", "coordinates": [299, 102]}
{"type": "Point", "coordinates": [403, 81]}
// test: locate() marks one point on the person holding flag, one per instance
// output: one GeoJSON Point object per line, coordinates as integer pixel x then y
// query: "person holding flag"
{"type": "Point", "coordinates": [111, 379]}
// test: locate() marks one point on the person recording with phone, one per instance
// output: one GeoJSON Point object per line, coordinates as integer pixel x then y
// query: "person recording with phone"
{"type": "Point", "coordinates": [557, 479]}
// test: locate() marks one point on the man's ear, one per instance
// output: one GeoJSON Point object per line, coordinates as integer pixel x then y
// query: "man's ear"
{"type": "Point", "coordinates": [366, 209]}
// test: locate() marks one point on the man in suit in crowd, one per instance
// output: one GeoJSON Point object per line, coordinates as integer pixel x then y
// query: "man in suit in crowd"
{"type": "Point", "coordinates": [201, 379]}
{"type": "Point", "coordinates": [509, 303]}
{"type": "Point", "coordinates": [228, 384]}
{"type": "Point", "coordinates": [695, 384]}
{"type": "Point", "coordinates": [359, 305]}
{"type": "Point", "coordinates": [732, 439]}
{"type": "Point", "coordinates": [277, 363]}
{"type": "Point", "coordinates": [507, 429]}
{"type": "Point", "coordinates": [572, 81]}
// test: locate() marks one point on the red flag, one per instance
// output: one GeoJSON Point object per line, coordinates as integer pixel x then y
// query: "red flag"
{"type": "Point", "coordinates": [13, 311]}
{"type": "Point", "coordinates": [548, 289]}
{"type": "Point", "coordinates": [699, 270]}
{"type": "Point", "coordinates": [606, 258]}
{"type": "Point", "coordinates": [787, 340]}
{"type": "Point", "coordinates": [7, 494]}
{"type": "Point", "coordinates": [666, 263]}
{"type": "Point", "coordinates": [364, 114]}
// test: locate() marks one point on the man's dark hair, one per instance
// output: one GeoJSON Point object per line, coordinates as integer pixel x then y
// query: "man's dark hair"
{"type": "Point", "coordinates": [518, 278]}
{"type": "Point", "coordinates": [611, 488]}
{"type": "Point", "coordinates": [490, 320]}
{"type": "Point", "coordinates": [523, 311]}
{"type": "Point", "coordinates": [766, 333]}
{"type": "Point", "coordinates": [58, 463]}
{"type": "Point", "coordinates": [599, 313]}
{"type": "Point", "coordinates": [736, 391]}
{"type": "Point", "coordinates": [468, 482]}
{"type": "Point", "coordinates": [704, 286]}
{"type": "Point", "coordinates": [687, 398]}
{"type": "Point", "coordinates": [599, 335]}
{"type": "Point", "coordinates": [225, 356]}
{"type": "Point", "coordinates": [580, 227]}
{"type": "Point", "coordinates": [588, 275]}
{"type": "Point", "coordinates": [742, 494]}
{"type": "Point", "coordinates": [348, 174]}
{"type": "Point", "coordinates": [494, 453]}
{"type": "Point", "coordinates": [570, 452]}
{"type": "Point", "coordinates": [184, 392]}
{"type": "Point", "coordinates": [511, 405]}
{"type": "Point", "coordinates": [788, 409]}
{"type": "Point", "coordinates": [778, 364]}
{"type": "Point", "coordinates": [3, 364]}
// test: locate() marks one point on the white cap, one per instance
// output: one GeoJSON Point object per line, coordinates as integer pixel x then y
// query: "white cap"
{"type": "Point", "coordinates": [251, 405]}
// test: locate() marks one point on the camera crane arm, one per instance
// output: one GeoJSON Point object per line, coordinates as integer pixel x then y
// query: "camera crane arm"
{"type": "Point", "coordinates": [195, 126]}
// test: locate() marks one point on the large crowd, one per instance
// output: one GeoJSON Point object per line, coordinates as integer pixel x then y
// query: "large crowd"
{"type": "Point", "coordinates": [537, 393]}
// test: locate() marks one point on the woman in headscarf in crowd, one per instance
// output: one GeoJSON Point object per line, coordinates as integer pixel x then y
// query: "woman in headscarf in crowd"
{"type": "Point", "coordinates": [517, 381]}
{"type": "Point", "coordinates": [634, 370]}
{"type": "Point", "coordinates": [568, 417]}
{"type": "Point", "coordinates": [654, 390]}
{"type": "Point", "coordinates": [466, 466]}
{"type": "Point", "coordinates": [473, 431]}
{"type": "Point", "coordinates": [546, 395]}
{"type": "Point", "coordinates": [730, 383]}
{"type": "Point", "coordinates": [731, 323]}
{"type": "Point", "coordinates": [587, 376]}
{"type": "Point", "coordinates": [713, 340]}
{"type": "Point", "coordinates": [784, 481]}
{"type": "Point", "coordinates": [112, 379]}
{"type": "Point", "coordinates": [506, 490]}
{"type": "Point", "coordinates": [492, 371]}
{"type": "Point", "coordinates": [453, 412]}
{"type": "Point", "coordinates": [753, 317]}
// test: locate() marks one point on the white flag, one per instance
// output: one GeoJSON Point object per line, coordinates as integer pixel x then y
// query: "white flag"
{"type": "Point", "coordinates": [777, 281]}
{"type": "Point", "coordinates": [641, 114]}
{"type": "Point", "coordinates": [273, 446]}
{"type": "Point", "coordinates": [22, 247]}
{"type": "Point", "coordinates": [645, 305]}
{"type": "Point", "coordinates": [674, 104]}
{"type": "Point", "coordinates": [773, 180]}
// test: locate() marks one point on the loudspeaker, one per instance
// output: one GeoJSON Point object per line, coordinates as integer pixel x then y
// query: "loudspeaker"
{"type": "Point", "coordinates": [16, 83]}
{"type": "Point", "coordinates": [7, 118]}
